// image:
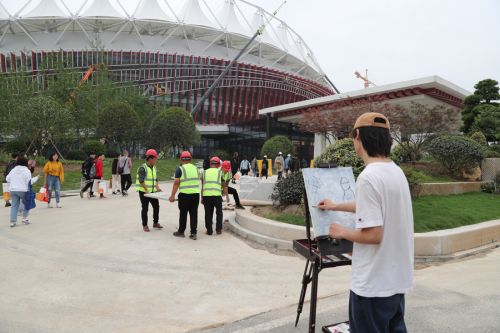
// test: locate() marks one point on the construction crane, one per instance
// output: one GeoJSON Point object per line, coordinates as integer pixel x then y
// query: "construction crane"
{"type": "Point", "coordinates": [364, 78]}
{"type": "Point", "coordinates": [84, 79]}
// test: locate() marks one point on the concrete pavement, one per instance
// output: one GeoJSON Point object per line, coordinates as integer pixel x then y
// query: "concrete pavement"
{"type": "Point", "coordinates": [89, 267]}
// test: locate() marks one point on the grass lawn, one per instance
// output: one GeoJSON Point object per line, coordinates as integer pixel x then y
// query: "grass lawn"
{"type": "Point", "coordinates": [72, 172]}
{"type": "Point", "coordinates": [437, 212]}
{"type": "Point", "coordinates": [443, 212]}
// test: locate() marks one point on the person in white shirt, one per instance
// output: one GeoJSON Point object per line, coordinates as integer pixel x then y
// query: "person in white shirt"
{"type": "Point", "coordinates": [382, 257]}
{"type": "Point", "coordinates": [244, 166]}
{"type": "Point", "coordinates": [19, 179]}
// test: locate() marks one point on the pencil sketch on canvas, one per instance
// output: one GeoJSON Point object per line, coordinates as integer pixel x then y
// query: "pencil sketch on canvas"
{"type": "Point", "coordinates": [336, 184]}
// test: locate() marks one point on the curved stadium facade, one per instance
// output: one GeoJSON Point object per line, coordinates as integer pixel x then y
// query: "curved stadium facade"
{"type": "Point", "coordinates": [173, 50]}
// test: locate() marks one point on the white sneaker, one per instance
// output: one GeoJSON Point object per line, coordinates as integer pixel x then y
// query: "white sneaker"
{"type": "Point", "coordinates": [12, 224]}
{"type": "Point", "coordinates": [49, 205]}
{"type": "Point", "coordinates": [26, 221]}
{"type": "Point", "coordinates": [58, 205]}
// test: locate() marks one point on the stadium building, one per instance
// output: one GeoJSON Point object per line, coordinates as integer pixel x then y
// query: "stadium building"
{"type": "Point", "coordinates": [174, 50]}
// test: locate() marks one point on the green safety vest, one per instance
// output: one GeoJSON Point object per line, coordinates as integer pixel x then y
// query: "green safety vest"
{"type": "Point", "coordinates": [212, 182]}
{"type": "Point", "coordinates": [190, 182]}
{"type": "Point", "coordinates": [150, 181]}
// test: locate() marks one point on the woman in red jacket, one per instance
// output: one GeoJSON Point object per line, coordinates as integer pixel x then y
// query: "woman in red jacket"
{"type": "Point", "coordinates": [99, 173]}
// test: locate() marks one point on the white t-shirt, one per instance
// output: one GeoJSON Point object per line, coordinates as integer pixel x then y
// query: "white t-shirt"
{"type": "Point", "coordinates": [383, 199]}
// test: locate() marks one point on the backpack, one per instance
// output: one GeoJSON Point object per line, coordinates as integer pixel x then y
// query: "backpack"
{"type": "Point", "coordinates": [10, 166]}
{"type": "Point", "coordinates": [92, 171]}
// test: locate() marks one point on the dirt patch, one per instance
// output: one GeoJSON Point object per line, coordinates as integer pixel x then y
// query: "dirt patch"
{"type": "Point", "coordinates": [265, 211]}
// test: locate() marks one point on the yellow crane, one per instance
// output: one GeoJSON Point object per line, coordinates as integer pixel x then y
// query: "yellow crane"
{"type": "Point", "coordinates": [364, 78]}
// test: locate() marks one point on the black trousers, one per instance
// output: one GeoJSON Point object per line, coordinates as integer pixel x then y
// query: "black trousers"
{"type": "Point", "coordinates": [264, 173]}
{"type": "Point", "coordinates": [88, 185]}
{"type": "Point", "coordinates": [188, 203]}
{"type": "Point", "coordinates": [211, 203]}
{"type": "Point", "coordinates": [377, 314]}
{"type": "Point", "coordinates": [145, 201]}
{"type": "Point", "coordinates": [280, 175]}
{"type": "Point", "coordinates": [244, 172]}
{"type": "Point", "coordinates": [235, 195]}
{"type": "Point", "coordinates": [126, 181]}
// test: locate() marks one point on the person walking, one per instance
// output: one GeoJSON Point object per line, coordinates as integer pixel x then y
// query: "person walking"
{"type": "Point", "coordinates": [99, 175]}
{"type": "Point", "coordinates": [11, 165]}
{"type": "Point", "coordinates": [187, 182]}
{"type": "Point", "coordinates": [382, 256]}
{"type": "Point", "coordinates": [54, 177]}
{"type": "Point", "coordinates": [147, 182]}
{"type": "Point", "coordinates": [244, 166]}
{"type": "Point", "coordinates": [124, 167]}
{"type": "Point", "coordinates": [19, 179]}
{"type": "Point", "coordinates": [115, 175]}
{"type": "Point", "coordinates": [279, 163]}
{"type": "Point", "coordinates": [212, 184]}
{"type": "Point", "coordinates": [88, 174]}
{"type": "Point", "coordinates": [265, 166]}
{"type": "Point", "coordinates": [288, 162]}
{"type": "Point", "coordinates": [254, 167]}
{"type": "Point", "coordinates": [226, 176]}
{"type": "Point", "coordinates": [235, 165]}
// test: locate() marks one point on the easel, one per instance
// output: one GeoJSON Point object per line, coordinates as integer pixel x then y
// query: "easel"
{"type": "Point", "coordinates": [320, 252]}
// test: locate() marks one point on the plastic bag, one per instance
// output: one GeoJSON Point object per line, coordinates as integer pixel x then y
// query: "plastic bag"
{"type": "Point", "coordinates": [6, 191]}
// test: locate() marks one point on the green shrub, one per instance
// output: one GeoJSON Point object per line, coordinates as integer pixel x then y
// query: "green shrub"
{"type": "Point", "coordinates": [276, 144]}
{"type": "Point", "coordinates": [479, 138]}
{"type": "Point", "coordinates": [93, 146]}
{"type": "Point", "coordinates": [399, 155]}
{"type": "Point", "coordinates": [415, 179]}
{"type": "Point", "coordinates": [289, 190]}
{"type": "Point", "coordinates": [456, 153]}
{"type": "Point", "coordinates": [14, 147]}
{"type": "Point", "coordinates": [222, 154]}
{"type": "Point", "coordinates": [76, 155]}
{"type": "Point", "coordinates": [342, 153]}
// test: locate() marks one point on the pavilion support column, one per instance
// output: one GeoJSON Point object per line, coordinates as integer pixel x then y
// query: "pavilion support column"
{"type": "Point", "coordinates": [319, 144]}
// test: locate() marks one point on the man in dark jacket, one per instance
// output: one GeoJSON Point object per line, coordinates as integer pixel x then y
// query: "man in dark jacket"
{"type": "Point", "coordinates": [88, 173]}
{"type": "Point", "coordinates": [10, 166]}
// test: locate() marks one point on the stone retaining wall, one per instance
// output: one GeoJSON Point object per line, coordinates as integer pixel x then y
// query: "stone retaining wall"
{"type": "Point", "coordinates": [440, 243]}
{"type": "Point", "coordinates": [450, 188]}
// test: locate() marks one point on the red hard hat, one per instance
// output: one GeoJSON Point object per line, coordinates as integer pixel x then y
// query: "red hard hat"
{"type": "Point", "coordinates": [226, 166]}
{"type": "Point", "coordinates": [215, 160]}
{"type": "Point", "coordinates": [185, 155]}
{"type": "Point", "coordinates": [152, 152]}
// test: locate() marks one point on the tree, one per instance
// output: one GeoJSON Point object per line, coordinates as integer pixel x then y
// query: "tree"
{"type": "Point", "coordinates": [276, 144]}
{"type": "Point", "coordinates": [456, 153]}
{"type": "Point", "coordinates": [118, 123]}
{"type": "Point", "coordinates": [42, 119]}
{"type": "Point", "coordinates": [173, 127]}
{"type": "Point", "coordinates": [488, 121]}
{"type": "Point", "coordinates": [337, 121]}
{"type": "Point", "coordinates": [486, 92]}
{"type": "Point", "coordinates": [412, 127]}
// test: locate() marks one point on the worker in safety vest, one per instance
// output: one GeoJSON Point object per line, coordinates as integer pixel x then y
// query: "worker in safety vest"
{"type": "Point", "coordinates": [187, 181]}
{"type": "Point", "coordinates": [147, 182]}
{"type": "Point", "coordinates": [211, 191]}
{"type": "Point", "coordinates": [227, 176]}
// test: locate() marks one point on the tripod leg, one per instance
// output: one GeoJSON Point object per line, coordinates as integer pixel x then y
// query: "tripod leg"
{"type": "Point", "coordinates": [306, 278]}
{"type": "Point", "coordinates": [314, 297]}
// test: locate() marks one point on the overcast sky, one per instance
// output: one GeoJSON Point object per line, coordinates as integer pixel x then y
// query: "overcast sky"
{"type": "Point", "coordinates": [395, 40]}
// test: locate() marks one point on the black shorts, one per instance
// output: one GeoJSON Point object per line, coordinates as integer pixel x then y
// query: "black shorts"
{"type": "Point", "coordinates": [377, 314]}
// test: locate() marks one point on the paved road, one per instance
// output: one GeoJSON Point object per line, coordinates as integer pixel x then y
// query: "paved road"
{"type": "Point", "coordinates": [454, 297]}
{"type": "Point", "coordinates": [89, 267]}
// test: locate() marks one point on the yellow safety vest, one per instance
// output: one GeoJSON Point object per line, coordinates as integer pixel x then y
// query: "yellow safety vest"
{"type": "Point", "coordinates": [212, 182]}
{"type": "Point", "coordinates": [190, 182]}
{"type": "Point", "coordinates": [150, 181]}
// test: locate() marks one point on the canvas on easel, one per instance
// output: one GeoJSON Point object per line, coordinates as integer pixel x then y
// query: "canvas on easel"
{"type": "Point", "coordinates": [336, 184]}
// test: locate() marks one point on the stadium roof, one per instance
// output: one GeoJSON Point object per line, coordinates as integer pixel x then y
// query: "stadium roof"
{"type": "Point", "coordinates": [215, 28]}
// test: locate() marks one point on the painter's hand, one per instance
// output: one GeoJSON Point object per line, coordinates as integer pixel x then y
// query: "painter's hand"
{"type": "Point", "coordinates": [326, 204]}
{"type": "Point", "coordinates": [336, 231]}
